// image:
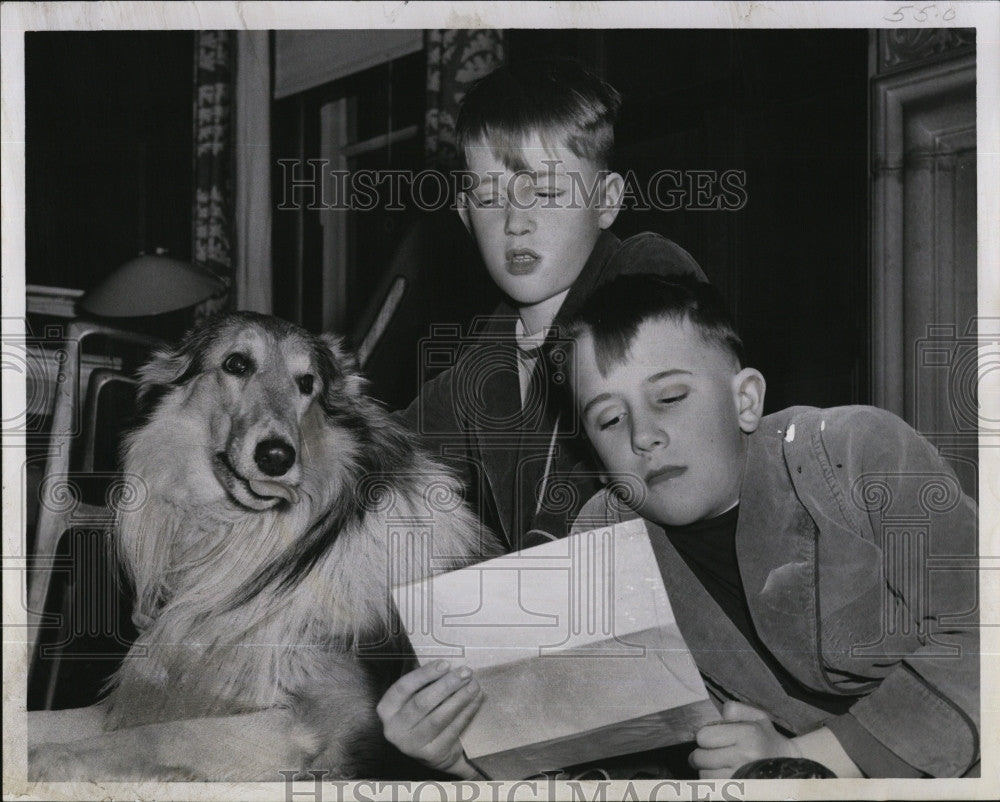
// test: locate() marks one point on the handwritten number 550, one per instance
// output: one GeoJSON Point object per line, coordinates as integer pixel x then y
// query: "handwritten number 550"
{"type": "Point", "coordinates": [920, 14]}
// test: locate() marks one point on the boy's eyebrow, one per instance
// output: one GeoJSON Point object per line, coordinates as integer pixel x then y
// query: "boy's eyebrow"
{"type": "Point", "coordinates": [663, 374]}
{"type": "Point", "coordinates": [597, 399]}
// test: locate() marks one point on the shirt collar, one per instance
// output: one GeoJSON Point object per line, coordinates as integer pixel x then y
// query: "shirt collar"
{"type": "Point", "coordinates": [529, 344]}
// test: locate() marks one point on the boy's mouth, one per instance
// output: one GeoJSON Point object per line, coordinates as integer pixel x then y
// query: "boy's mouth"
{"type": "Point", "coordinates": [665, 473]}
{"type": "Point", "coordinates": [521, 261]}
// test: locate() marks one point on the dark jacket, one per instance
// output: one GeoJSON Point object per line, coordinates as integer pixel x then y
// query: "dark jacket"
{"type": "Point", "coordinates": [471, 414]}
{"type": "Point", "coordinates": [858, 556]}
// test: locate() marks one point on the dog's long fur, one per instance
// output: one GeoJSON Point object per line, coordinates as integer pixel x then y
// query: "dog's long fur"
{"type": "Point", "coordinates": [253, 590]}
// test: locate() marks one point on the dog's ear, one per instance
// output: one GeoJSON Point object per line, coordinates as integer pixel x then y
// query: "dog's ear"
{"type": "Point", "coordinates": [175, 364]}
{"type": "Point", "coordinates": [344, 358]}
{"type": "Point", "coordinates": [167, 367]}
{"type": "Point", "coordinates": [339, 366]}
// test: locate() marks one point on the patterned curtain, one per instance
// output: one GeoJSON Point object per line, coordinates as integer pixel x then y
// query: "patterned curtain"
{"type": "Point", "coordinates": [212, 232]}
{"type": "Point", "coordinates": [455, 60]}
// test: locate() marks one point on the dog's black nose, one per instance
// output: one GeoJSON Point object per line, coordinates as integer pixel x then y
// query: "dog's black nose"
{"type": "Point", "coordinates": [274, 457]}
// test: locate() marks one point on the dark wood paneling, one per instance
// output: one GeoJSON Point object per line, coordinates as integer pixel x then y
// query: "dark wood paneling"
{"type": "Point", "coordinates": [928, 341]}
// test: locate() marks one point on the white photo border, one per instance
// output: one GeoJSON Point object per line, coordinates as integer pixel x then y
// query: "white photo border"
{"type": "Point", "coordinates": [17, 18]}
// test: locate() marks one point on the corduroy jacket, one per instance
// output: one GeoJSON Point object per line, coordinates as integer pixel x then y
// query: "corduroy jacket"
{"type": "Point", "coordinates": [858, 556]}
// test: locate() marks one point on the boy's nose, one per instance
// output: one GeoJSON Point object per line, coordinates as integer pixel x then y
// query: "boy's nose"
{"type": "Point", "coordinates": [519, 221]}
{"type": "Point", "coordinates": [647, 435]}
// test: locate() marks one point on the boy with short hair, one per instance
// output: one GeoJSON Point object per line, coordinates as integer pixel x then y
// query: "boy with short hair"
{"type": "Point", "coordinates": [538, 198]}
{"type": "Point", "coordinates": [821, 564]}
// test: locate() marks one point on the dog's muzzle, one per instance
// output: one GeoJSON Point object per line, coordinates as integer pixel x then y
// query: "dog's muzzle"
{"type": "Point", "coordinates": [255, 494]}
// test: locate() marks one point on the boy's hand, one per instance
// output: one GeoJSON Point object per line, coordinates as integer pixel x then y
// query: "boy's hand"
{"type": "Point", "coordinates": [744, 734]}
{"type": "Point", "coordinates": [424, 711]}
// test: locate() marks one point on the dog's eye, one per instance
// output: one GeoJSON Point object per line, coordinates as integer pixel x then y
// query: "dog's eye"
{"type": "Point", "coordinates": [306, 384]}
{"type": "Point", "coordinates": [236, 364]}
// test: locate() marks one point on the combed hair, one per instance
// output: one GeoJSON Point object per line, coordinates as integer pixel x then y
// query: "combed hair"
{"type": "Point", "coordinates": [555, 98]}
{"type": "Point", "coordinates": [613, 314]}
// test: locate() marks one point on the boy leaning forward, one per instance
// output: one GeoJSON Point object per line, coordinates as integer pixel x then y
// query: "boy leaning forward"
{"type": "Point", "coordinates": [821, 564]}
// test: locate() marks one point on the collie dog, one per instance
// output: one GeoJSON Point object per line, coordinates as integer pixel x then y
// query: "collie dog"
{"type": "Point", "coordinates": [270, 505]}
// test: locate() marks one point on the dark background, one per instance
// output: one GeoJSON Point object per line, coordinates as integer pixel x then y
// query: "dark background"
{"type": "Point", "coordinates": [108, 151]}
{"type": "Point", "coordinates": [109, 174]}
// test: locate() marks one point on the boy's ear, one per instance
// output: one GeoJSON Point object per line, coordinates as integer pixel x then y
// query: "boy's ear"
{"type": "Point", "coordinates": [611, 200]}
{"type": "Point", "coordinates": [748, 393]}
{"type": "Point", "coordinates": [462, 205]}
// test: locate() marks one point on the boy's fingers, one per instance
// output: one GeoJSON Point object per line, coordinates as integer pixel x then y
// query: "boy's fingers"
{"type": "Point", "coordinates": [449, 734]}
{"type": "Point", "coordinates": [715, 736]}
{"type": "Point", "coordinates": [737, 711]}
{"type": "Point", "coordinates": [716, 774]}
{"type": "Point", "coordinates": [404, 688]}
{"type": "Point", "coordinates": [713, 758]}
{"type": "Point", "coordinates": [427, 700]}
{"type": "Point", "coordinates": [433, 725]}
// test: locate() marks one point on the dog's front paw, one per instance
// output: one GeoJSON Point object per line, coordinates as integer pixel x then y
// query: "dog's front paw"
{"type": "Point", "coordinates": [82, 761]}
{"type": "Point", "coordinates": [58, 763]}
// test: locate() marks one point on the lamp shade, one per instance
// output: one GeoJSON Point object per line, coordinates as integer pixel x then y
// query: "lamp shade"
{"type": "Point", "coordinates": [150, 285]}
